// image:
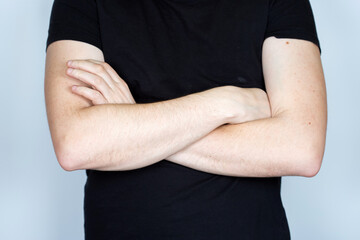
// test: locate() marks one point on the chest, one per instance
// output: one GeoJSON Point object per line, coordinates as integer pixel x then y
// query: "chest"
{"type": "Point", "coordinates": [166, 49]}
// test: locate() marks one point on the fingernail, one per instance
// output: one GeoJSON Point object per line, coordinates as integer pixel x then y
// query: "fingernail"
{"type": "Point", "coordinates": [69, 70]}
{"type": "Point", "coordinates": [69, 63]}
{"type": "Point", "coordinates": [73, 87]}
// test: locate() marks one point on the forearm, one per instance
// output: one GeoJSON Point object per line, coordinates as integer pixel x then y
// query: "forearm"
{"type": "Point", "coordinates": [130, 136]}
{"type": "Point", "coordinates": [261, 148]}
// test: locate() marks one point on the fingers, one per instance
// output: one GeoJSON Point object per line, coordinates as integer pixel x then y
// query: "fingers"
{"type": "Point", "coordinates": [102, 77]}
{"type": "Point", "coordinates": [94, 80]}
{"type": "Point", "coordinates": [92, 66]}
{"type": "Point", "coordinates": [113, 74]}
{"type": "Point", "coordinates": [95, 96]}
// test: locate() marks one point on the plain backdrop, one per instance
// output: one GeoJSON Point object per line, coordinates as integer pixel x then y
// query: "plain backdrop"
{"type": "Point", "coordinates": [41, 201]}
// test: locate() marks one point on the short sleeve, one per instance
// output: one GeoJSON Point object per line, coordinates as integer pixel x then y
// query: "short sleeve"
{"type": "Point", "coordinates": [291, 19]}
{"type": "Point", "coordinates": [74, 20]}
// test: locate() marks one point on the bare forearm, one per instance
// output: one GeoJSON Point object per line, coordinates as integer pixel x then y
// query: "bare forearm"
{"type": "Point", "coordinates": [260, 148]}
{"type": "Point", "coordinates": [130, 136]}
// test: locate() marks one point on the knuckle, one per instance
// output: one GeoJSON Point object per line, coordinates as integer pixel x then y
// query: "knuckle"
{"type": "Point", "coordinates": [97, 95]}
{"type": "Point", "coordinates": [99, 68]}
{"type": "Point", "coordinates": [97, 81]}
{"type": "Point", "coordinates": [105, 64]}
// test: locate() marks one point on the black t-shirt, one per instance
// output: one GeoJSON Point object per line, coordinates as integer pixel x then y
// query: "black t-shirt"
{"type": "Point", "coordinates": [166, 49]}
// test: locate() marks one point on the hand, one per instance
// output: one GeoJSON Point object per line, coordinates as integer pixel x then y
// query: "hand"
{"type": "Point", "coordinates": [107, 85]}
{"type": "Point", "coordinates": [246, 104]}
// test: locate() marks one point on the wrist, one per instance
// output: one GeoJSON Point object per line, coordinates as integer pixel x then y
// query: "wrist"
{"type": "Point", "coordinates": [219, 106]}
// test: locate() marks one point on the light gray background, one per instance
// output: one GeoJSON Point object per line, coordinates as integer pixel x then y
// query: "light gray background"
{"type": "Point", "coordinates": [40, 201]}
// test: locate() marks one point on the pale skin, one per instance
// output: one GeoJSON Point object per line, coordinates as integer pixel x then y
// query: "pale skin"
{"type": "Point", "coordinates": [99, 125]}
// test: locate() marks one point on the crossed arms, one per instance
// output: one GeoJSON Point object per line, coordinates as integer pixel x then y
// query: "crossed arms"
{"type": "Point", "coordinates": [192, 130]}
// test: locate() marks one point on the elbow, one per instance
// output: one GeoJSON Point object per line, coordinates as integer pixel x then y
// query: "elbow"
{"type": "Point", "coordinates": [68, 162]}
{"type": "Point", "coordinates": [311, 166]}
{"type": "Point", "coordinates": [66, 155]}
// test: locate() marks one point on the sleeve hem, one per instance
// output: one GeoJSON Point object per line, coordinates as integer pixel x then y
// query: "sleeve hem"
{"type": "Point", "coordinates": [296, 36]}
{"type": "Point", "coordinates": [61, 33]}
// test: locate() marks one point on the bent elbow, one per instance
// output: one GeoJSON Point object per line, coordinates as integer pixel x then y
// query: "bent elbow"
{"type": "Point", "coordinates": [311, 171]}
{"type": "Point", "coordinates": [312, 167]}
{"type": "Point", "coordinates": [67, 162]}
{"type": "Point", "coordinates": [67, 165]}
{"type": "Point", "coordinates": [65, 154]}
{"type": "Point", "coordinates": [311, 164]}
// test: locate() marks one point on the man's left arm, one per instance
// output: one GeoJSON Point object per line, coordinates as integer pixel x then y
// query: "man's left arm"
{"type": "Point", "coordinates": [292, 141]}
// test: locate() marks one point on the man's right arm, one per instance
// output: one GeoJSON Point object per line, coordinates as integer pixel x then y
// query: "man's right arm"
{"type": "Point", "coordinates": [119, 136]}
